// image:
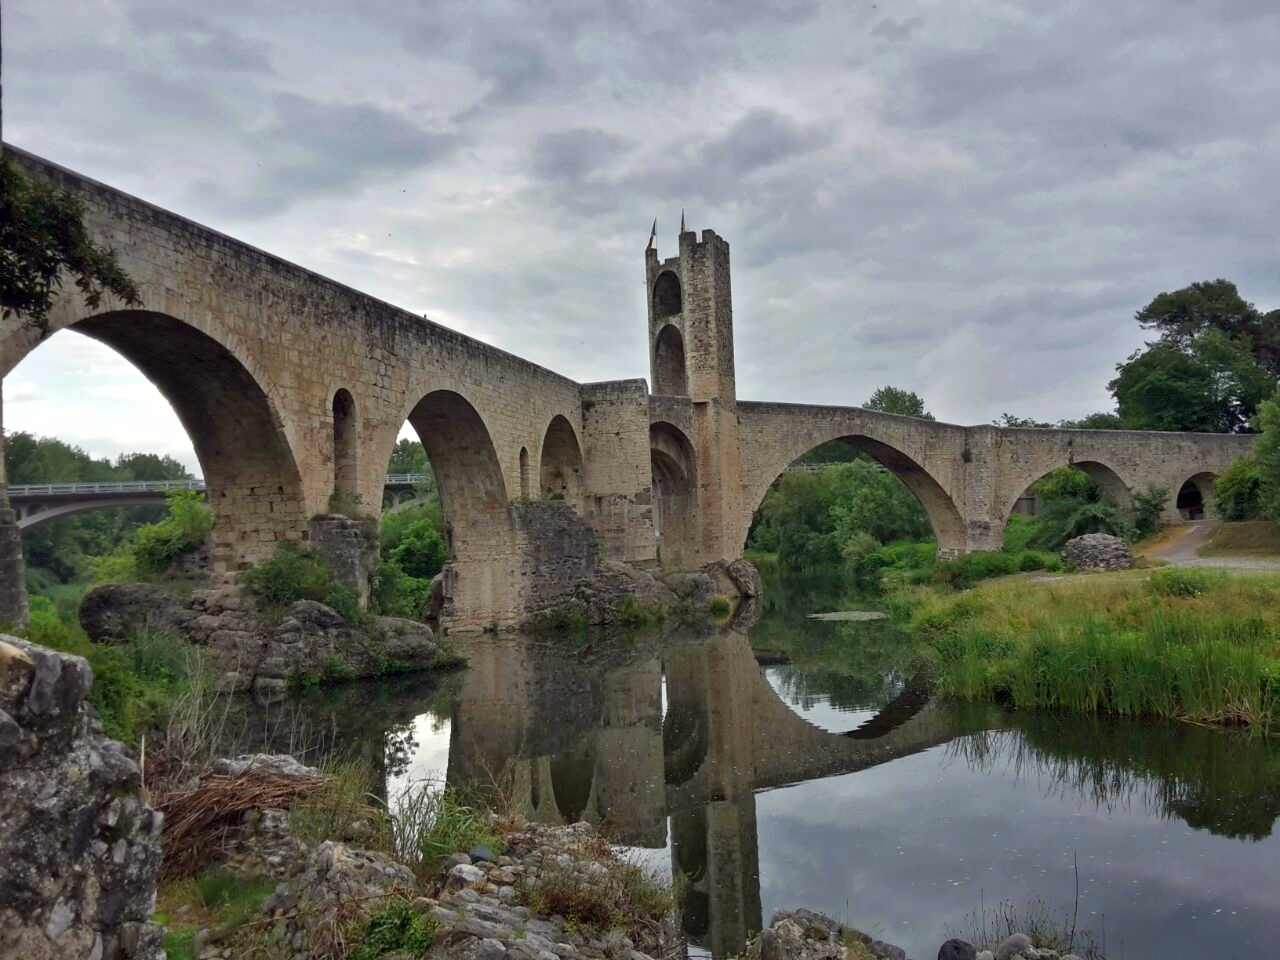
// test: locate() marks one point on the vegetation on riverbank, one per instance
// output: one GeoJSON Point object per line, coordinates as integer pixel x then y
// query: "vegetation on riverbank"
{"type": "Point", "coordinates": [1257, 538]}
{"type": "Point", "coordinates": [1182, 644]}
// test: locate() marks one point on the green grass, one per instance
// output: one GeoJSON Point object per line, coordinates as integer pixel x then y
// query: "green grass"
{"type": "Point", "coordinates": [396, 929]}
{"type": "Point", "coordinates": [135, 684]}
{"type": "Point", "coordinates": [1189, 645]}
{"type": "Point", "coordinates": [219, 899]}
{"type": "Point", "coordinates": [1250, 538]}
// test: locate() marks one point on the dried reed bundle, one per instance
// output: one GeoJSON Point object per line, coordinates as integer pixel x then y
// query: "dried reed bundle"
{"type": "Point", "coordinates": [202, 809]}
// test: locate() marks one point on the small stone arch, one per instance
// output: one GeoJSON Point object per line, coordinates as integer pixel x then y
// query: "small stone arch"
{"type": "Point", "coordinates": [526, 481]}
{"type": "Point", "coordinates": [346, 443]}
{"type": "Point", "coordinates": [560, 472]}
{"type": "Point", "coordinates": [675, 494]}
{"type": "Point", "coordinates": [670, 378]}
{"type": "Point", "coordinates": [667, 297]}
{"type": "Point", "coordinates": [1195, 497]}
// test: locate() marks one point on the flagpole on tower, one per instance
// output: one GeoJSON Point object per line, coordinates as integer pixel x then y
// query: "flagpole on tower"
{"type": "Point", "coordinates": [653, 234]}
{"type": "Point", "coordinates": [682, 219]}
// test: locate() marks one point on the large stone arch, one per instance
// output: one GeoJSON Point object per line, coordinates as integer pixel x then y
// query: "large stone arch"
{"type": "Point", "coordinates": [1108, 480]}
{"type": "Point", "coordinates": [944, 516]}
{"type": "Point", "coordinates": [481, 574]}
{"type": "Point", "coordinates": [560, 467]}
{"type": "Point", "coordinates": [253, 481]}
{"type": "Point", "coordinates": [675, 494]}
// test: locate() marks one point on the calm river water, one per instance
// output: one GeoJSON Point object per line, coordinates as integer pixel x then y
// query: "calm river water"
{"type": "Point", "coordinates": [828, 782]}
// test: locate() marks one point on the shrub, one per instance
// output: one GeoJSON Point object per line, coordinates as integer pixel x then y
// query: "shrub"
{"type": "Point", "coordinates": [397, 929]}
{"type": "Point", "coordinates": [1181, 582]}
{"type": "Point", "coordinates": [184, 528]}
{"type": "Point", "coordinates": [421, 550]}
{"type": "Point", "coordinates": [719, 607]}
{"type": "Point", "coordinates": [295, 572]}
{"type": "Point", "coordinates": [1238, 491]}
{"type": "Point", "coordinates": [396, 594]}
{"type": "Point", "coordinates": [1148, 508]}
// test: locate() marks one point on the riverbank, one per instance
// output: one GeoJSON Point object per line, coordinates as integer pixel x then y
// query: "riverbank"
{"type": "Point", "coordinates": [1191, 645]}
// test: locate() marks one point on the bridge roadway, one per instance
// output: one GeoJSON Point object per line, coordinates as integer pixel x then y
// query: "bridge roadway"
{"type": "Point", "coordinates": [292, 387]}
{"type": "Point", "coordinates": [36, 504]}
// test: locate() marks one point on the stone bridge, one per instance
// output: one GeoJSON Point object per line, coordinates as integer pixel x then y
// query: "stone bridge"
{"type": "Point", "coordinates": [293, 388]}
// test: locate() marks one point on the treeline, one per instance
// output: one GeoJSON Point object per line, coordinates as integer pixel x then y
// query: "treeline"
{"type": "Point", "coordinates": [61, 551]}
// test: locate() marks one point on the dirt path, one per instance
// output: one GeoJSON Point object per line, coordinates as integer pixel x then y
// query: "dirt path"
{"type": "Point", "coordinates": [1181, 550]}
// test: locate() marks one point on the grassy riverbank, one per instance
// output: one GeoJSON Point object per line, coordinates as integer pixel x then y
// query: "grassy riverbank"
{"type": "Point", "coordinates": [1192, 645]}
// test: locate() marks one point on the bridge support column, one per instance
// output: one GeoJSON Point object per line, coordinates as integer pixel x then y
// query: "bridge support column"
{"type": "Point", "coordinates": [13, 574]}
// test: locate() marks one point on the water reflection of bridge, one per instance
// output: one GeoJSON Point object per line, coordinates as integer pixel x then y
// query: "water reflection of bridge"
{"type": "Point", "coordinates": [591, 738]}
{"type": "Point", "coordinates": [576, 744]}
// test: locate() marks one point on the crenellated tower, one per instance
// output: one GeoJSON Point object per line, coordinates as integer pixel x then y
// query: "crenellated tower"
{"type": "Point", "coordinates": [691, 356]}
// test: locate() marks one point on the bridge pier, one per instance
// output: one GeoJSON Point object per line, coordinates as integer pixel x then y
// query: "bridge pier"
{"type": "Point", "coordinates": [13, 574]}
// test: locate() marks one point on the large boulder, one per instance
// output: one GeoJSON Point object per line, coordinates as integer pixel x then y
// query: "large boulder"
{"type": "Point", "coordinates": [111, 612]}
{"type": "Point", "coordinates": [260, 649]}
{"type": "Point", "coordinates": [1097, 551]}
{"type": "Point", "coordinates": [79, 847]}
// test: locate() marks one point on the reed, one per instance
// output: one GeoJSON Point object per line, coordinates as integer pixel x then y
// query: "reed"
{"type": "Point", "coordinates": [1184, 644]}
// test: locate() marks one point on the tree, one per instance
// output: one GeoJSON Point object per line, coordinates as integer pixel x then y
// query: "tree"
{"type": "Point", "coordinates": [1267, 453]}
{"type": "Point", "coordinates": [895, 400]}
{"type": "Point", "coordinates": [1216, 359]}
{"type": "Point", "coordinates": [1238, 491]}
{"type": "Point", "coordinates": [409, 456]}
{"type": "Point", "coordinates": [1009, 420]}
{"type": "Point", "coordinates": [43, 238]}
{"type": "Point", "coordinates": [1166, 388]}
{"type": "Point", "coordinates": [1184, 316]}
{"type": "Point", "coordinates": [1094, 421]}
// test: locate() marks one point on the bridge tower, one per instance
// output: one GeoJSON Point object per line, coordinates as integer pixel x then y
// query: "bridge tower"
{"type": "Point", "coordinates": [691, 356]}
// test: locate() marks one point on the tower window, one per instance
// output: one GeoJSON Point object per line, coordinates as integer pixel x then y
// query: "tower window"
{"type": "Point", "coordinates": [666, 295]}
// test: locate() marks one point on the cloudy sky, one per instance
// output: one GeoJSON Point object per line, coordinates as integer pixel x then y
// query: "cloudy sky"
{"type": "Point", "coordinates": [968, 199]}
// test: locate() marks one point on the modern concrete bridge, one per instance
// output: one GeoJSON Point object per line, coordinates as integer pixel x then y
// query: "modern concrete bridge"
{"type": "Point", "coordinates": [35, 504]}
{"type": "Point", "coordinates": [292, 386]}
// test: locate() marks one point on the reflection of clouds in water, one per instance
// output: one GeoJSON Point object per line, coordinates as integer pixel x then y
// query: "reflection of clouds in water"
{"type": "Point", "coordinates": [430, 760]}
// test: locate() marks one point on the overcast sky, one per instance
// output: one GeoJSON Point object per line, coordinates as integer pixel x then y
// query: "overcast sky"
{"type": "Point", "coordinates": [968, 199]}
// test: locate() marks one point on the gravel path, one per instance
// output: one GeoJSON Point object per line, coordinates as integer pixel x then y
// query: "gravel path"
{"type": "Point", "coordinates": [1181, 552]}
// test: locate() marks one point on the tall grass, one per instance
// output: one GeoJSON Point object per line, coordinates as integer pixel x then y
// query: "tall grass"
{"type": "Point", "coordinates": [430, 822]}
{"type": "Point", "coordinates": [1188, 645]}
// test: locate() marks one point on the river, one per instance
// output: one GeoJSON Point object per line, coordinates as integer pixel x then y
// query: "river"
{"type": "Point", "coordinates": [818, 775]}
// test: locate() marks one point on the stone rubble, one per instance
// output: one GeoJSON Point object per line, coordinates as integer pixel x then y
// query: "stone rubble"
{"type": "Point", "coordinates": [79, 847]}
{"type": "Point", "coordinates": [1097, 551]}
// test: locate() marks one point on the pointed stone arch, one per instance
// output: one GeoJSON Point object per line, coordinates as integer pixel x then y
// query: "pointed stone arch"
{"type": "Point", "coordinates": [670, 377]}
{"type": "Point", "coordinates": [675, 494]}
{"type": "Point", "coordinates": [254, 484]}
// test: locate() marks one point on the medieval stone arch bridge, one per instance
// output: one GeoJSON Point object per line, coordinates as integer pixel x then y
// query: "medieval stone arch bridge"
{"type": "Point", "coordinates": [292, 386]}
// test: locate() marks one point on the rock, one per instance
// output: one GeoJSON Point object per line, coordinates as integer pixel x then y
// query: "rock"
{"type": "Point", "coordinates": [255, 652]}
{"type": "Point", "coordinates": [887, 951]}
{"type": "Point", "coordinates": [955, 949]}
{"type": "Point", "coordinates": [280, 763]}
{"type": "Point", "coordinates": [985, 955]}
{"type": "Point", "coordinates": [1097, 551]}
{"type": "Point", "coordinates": [111, 612]}
{"type": "Point", "coordinates": [481, 855]}
{"type": "Point", "coordinates": [465, 873]}
{"type": "Point", "coordinates": [315, 901]}
{"type": "Point", "coordinates": [79, 849]}
{"type": "Point", "coordinates": [1015, 944]}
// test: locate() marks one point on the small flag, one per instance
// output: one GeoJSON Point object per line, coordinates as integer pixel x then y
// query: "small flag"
{"type": "Point", "coordinates": [653, 234]}
{"type": "Point", "coordinates": [682, 219]}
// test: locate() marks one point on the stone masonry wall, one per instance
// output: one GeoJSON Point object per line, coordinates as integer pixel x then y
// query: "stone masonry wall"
{"type": "Point", "coordinates": [79, 848]}
{"type": "Point", "coordinates": [616, 469]}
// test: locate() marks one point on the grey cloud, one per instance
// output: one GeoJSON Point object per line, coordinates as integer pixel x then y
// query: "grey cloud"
{"type": "Point", "coordinates": [761, 138]}
{"type": "Point", "coordinates": [574, 155]}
